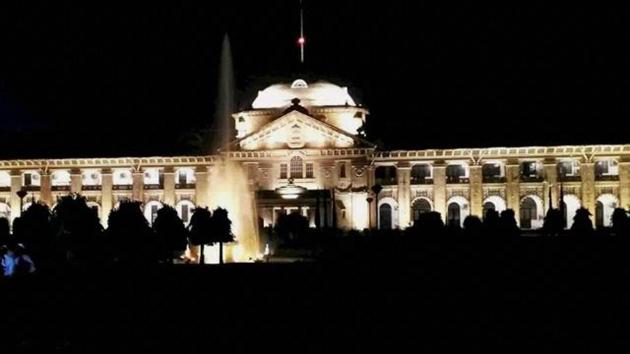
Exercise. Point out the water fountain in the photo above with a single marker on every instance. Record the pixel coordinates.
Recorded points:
(228, 183)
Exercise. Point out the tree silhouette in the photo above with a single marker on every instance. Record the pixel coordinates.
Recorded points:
(221, 230)
(4, 231)
(554, 222)
(620, 222)
(472, 226)
(507, 224)
(491, 223)
(200, 230)
(33, 229)
(77, 227)
(582, 224)
(129, 234)
(172, 235)
(428, 225)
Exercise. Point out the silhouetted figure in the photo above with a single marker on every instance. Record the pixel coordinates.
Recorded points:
(201, 230)
(131, 238)
(172, 235)
(77, 228)
(620, 222)
(473, 227)
(507, 224)
(582, 224)
(554, 222)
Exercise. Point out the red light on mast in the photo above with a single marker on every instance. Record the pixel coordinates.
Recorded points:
(301, 41)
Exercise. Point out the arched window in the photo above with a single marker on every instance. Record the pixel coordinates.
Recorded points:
(297, 167)
(454, 215)
(385, 216)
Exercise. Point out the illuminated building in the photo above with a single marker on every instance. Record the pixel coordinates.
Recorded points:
(308, 133)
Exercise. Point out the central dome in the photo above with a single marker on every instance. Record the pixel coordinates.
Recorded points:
(318, 94)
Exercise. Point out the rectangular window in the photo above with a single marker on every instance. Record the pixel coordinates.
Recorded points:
(27, 180)
(283, 171)
(309, 170)
(182, 177)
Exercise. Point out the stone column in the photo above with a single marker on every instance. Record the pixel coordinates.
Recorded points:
(138, 186)
(46, 188)
(169, 186)
(404, 194)
(202, 173)
(513, 189)
(107, 184)
(16, 185)
(624, 184)
(439, 188)
(476, 191)
(75, 181)
(551, 177)
(587, 174)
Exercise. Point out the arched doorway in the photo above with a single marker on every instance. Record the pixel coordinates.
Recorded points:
(606, 204)
(385, 216)
(531, 212)
(454, 215)
(457, 210)
(419, 207)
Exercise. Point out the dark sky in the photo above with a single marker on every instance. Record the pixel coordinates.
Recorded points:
(138, 80)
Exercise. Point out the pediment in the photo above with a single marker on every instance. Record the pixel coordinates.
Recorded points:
(296, 130)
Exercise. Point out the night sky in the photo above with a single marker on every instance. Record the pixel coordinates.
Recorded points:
(139, 80)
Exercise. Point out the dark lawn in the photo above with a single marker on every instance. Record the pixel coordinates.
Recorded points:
(433, 294)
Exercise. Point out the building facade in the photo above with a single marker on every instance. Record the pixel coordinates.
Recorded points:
(302, 150)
